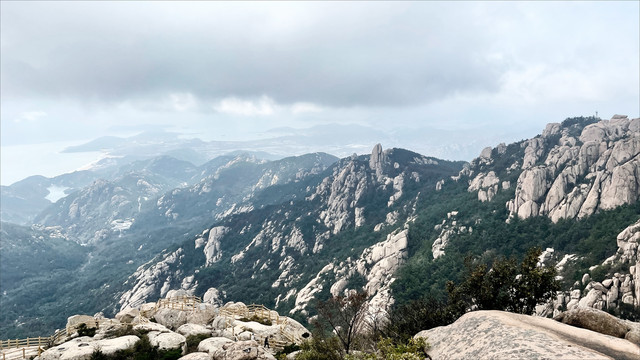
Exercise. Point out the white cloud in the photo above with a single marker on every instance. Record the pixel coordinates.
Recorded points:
(30, 116)
(264, 106)
(183, 101)
(305, 107)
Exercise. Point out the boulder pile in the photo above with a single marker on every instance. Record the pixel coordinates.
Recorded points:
(230, 332)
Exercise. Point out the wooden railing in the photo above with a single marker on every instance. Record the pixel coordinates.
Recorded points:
(186, 303)
(45, 342)
(28, 342)
(264, 313)
(21, 348)
(22, 353)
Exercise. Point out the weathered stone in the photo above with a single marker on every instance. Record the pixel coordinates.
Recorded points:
(578, 180)
(633, 336)
(598, 286)
(377, 160)
(595, 320)
(212, 250)
(612, 297)
(196, 356)
(203, 314)
(242, 350)
(168, 340)
(127, 315)
(171, 318)
(150, 326)
(293, 355)
(81, 348)
(75, 320)
(502, 335)
(590, 299)
(211, 345)
(193, 329)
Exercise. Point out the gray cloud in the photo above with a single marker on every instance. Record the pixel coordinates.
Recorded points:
(339, 55)
(78, 70)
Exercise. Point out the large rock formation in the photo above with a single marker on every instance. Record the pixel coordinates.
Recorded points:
(572, 170)
(502, 335)
(582, 173)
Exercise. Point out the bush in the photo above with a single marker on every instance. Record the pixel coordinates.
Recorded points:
(288, 349)
(321, 348)
(83, 330)
(194, 340)
(505, 286)
(257, 319)
(98, 355)
(414, 349)
(386, 349)
(409, 319)
(142, 350)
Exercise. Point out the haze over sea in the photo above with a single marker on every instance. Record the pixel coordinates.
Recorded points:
(19, 161)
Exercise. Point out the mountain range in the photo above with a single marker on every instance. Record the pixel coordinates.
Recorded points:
(287, 232)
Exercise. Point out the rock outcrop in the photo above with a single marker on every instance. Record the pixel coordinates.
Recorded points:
(620, 289)
(597, 169)
(81, 348)
(448, 228)
(376, 264)
(502, 335)
(242, 350)
(594, 320)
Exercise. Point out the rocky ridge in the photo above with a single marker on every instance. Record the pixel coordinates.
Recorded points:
(278, 245)
(572, 170)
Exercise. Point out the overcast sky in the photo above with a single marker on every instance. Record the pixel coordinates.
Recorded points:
(73, 71)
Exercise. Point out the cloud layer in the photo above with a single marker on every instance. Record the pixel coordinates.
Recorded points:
(89, 66)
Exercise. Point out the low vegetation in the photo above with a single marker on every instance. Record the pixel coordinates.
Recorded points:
(344, 327)
(142, 350)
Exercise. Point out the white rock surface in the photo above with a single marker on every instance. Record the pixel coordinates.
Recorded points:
(377, 264)
(503, 335)
(242, 350)
(168, 340)
(213, 296)
(171, 318)
(213, 344)
(193, 329)
(81, 348)
(598, 170)
(149, 278)
(212, 250)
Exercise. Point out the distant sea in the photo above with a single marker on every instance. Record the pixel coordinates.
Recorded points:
(20, 161)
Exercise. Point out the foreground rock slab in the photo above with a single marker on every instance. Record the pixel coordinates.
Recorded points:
(81, 348)
(503, 335)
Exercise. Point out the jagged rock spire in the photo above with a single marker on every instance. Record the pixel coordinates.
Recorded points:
(377, 159)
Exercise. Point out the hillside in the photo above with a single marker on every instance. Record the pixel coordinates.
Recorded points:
(408, 237)
(396, 223)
